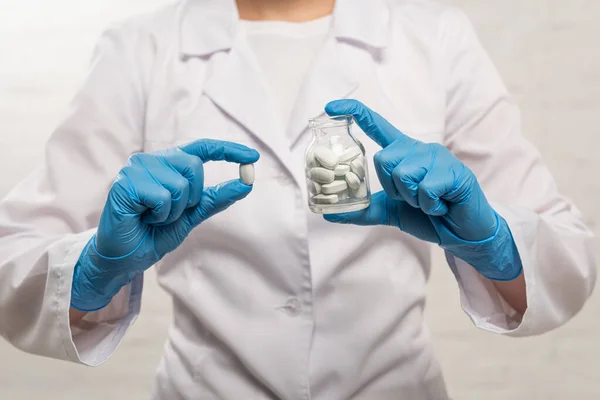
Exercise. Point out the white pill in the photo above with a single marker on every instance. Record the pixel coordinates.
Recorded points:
(321, 175)
(352, 180)
(325, 199)
(311, 162)
(349, 155)
(361, 192)
(333, 141)
(334, 187)
(247, 173)
(314, 187)
(325, 157)
(358, 167)
(337, 149)
(343, 195)
(341, 170)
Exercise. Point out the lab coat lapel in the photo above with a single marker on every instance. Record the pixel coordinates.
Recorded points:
(357, 25)
(238, 88)
(236, 85)
(328, 79)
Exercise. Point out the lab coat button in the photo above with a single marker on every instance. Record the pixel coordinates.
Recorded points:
(293, 307)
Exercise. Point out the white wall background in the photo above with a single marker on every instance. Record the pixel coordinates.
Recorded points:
(548, 53)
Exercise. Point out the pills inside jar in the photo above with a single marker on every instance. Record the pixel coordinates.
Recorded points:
(336, 170)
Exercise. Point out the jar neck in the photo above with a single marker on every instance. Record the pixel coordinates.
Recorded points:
(327, 127)
(323, 133)
(327, 123)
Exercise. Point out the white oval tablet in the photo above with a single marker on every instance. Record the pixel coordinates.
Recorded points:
(311, 162)
(337, 149)
(341, 170)
(358, 167)
(343, 195)
(314, 187)
(349, 155)
(247, 173)
(352, 180)
(321, 175)
(325, 199)
(325, 157)
(334, 187)
(361, 192)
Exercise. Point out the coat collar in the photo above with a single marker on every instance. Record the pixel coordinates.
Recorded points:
(208, 26)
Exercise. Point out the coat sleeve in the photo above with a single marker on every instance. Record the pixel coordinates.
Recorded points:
(47, 219)
(483, 129)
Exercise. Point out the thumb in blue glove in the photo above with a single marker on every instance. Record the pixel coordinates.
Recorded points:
(431, 195)
(154, 203)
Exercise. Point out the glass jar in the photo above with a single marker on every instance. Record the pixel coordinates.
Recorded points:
(336, 167)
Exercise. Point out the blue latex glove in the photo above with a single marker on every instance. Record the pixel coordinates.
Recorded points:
(156, 200)
(431, 195)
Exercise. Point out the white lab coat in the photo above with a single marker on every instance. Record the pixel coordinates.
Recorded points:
(271, 301)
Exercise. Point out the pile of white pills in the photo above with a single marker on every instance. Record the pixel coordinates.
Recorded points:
(336, 173)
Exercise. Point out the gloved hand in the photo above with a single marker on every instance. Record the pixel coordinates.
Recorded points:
(431, 195)
(156, 200)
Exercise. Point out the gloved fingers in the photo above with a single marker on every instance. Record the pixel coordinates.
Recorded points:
(216, 199)
(441, 179)
(385, 211)
(431, 189)
(386, 161)
(219, 150)
(142, 190)
(376, 214)
(408, 175)
(165, 175)
(448, 179)
(463, 183)
(192, 169)
(373, 124)
(123, 197)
